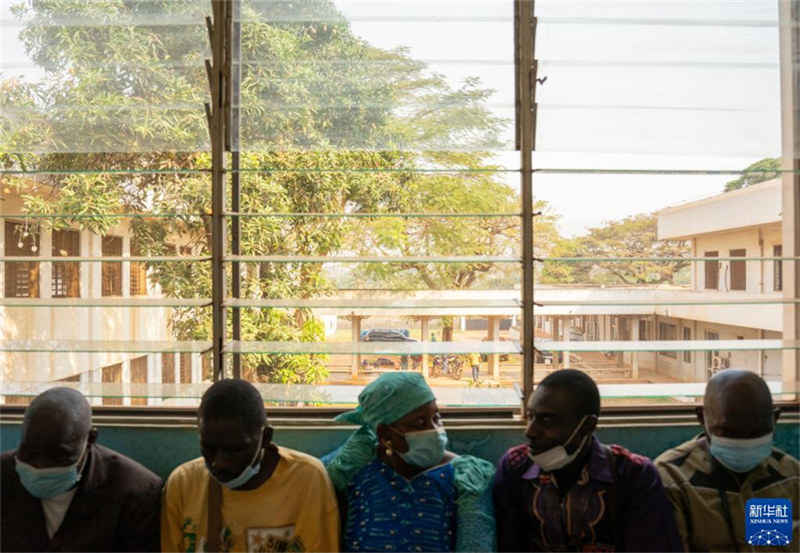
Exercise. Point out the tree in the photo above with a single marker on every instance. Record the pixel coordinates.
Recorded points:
(125, 100)
(497, 234)
(635, 237)
(760, 171)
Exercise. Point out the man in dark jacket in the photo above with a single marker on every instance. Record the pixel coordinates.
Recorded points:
(60, 491)
(565, 491)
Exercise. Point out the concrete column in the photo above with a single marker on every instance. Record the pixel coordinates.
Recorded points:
(196, 368)
(153, 377)
(789, 37)
(176, 369)
(95, 271)
(2, 266)
(355, 336)
(125, 387)
(698, 368)
(494, 336)
(565, 337)
(51, 369)
(635, 354)
(555, 333)
(656, 336)
(45, 268)
(622, 335)
(85, 269)
(126, 267)
(425, 329)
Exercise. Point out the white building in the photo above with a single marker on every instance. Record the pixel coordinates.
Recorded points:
(727, 300)
(741, 223)
(65, 306)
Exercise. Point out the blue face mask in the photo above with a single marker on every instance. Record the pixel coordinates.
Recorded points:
(740, 455)
(45, 483)
(425, 448)
(249, 471)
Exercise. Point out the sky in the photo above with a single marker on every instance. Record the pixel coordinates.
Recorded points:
(642, 84)
(630, 85)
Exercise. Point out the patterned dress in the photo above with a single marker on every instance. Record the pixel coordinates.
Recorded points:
(386, 512)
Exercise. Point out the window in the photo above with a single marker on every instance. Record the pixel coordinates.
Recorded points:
(138, 376)
(777, 269)
(207, 370)
(738, 270)
(168, 368)
(185, 368)
(668, 331)
(687, 335)
(66, 280)
(644, 330)
(112, 271)
(21, 278)
(112, 374)
(381, 186)
(138, 272)
(712, 271)
(712, 353)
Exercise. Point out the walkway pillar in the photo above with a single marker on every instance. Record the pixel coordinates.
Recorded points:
(355, 333)
(635, 354)
(494, 336)
(425, 324)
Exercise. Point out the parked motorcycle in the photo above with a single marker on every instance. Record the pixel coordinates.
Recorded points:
(451, 365)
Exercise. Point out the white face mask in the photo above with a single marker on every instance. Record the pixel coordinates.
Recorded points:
(248, 472)
(740, 455)
(557, 457)
(45, 483)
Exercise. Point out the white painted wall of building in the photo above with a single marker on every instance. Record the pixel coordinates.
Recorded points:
(757, 243)
(754, 206)
(75, 323)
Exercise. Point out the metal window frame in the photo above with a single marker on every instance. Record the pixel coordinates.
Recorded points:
(223, 128)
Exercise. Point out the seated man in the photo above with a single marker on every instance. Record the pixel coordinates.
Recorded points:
(271, 498)
(565, 491)
(710, 478)
(60, 491)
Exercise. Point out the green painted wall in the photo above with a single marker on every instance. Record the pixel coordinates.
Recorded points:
(163, 448)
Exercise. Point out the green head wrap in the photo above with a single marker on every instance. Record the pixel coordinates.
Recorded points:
(388, 398)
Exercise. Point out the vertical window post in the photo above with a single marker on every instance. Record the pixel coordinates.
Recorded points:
(525, 26)
(789, 15)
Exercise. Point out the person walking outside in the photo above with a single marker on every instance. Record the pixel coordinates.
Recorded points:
(475, 361)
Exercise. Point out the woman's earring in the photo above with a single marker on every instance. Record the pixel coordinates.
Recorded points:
(389, 448)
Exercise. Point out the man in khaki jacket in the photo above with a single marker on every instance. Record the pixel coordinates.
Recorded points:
(710, 478)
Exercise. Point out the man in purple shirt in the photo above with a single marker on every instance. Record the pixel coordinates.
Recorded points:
(565, 491)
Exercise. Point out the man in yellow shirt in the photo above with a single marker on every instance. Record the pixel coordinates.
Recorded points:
(270, 498)
(475, 362)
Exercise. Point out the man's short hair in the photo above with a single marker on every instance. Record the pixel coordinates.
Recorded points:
(65, 408)
(582, 390)
(234, 398)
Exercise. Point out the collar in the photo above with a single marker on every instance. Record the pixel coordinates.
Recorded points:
(94, 473)
(597, 464)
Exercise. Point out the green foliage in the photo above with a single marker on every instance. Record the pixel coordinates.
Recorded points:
(760, 171)
(451, 236)
(129, 95)
(564, 272)
(635, 236)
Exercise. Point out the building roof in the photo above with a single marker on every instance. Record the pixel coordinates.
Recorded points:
(753, 206)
